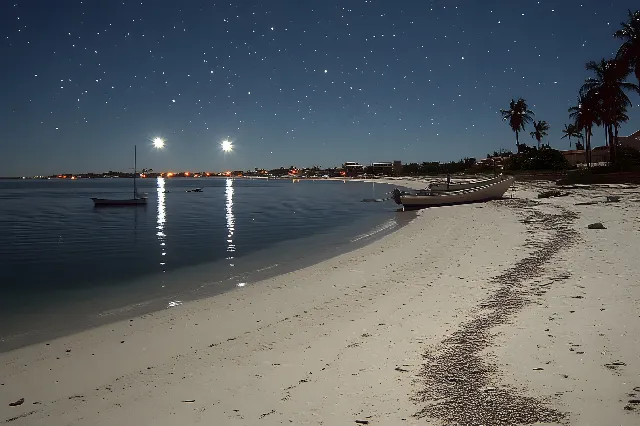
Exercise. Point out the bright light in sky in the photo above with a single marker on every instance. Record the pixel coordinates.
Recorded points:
(158, 143)
(227, 146)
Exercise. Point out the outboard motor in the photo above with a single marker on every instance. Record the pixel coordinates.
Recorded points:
(395, 194)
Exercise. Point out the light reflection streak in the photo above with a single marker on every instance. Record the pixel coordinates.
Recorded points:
(161, 220)
(231, 221)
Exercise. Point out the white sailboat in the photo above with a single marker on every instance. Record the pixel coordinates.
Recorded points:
(137, 200)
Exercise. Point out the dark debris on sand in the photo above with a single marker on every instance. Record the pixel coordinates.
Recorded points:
(458, 384)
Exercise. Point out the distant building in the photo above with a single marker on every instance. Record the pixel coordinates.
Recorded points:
(352, 168)
(492, 162)
(397, 168)
(600, 154)
(633, 140)
(384, 168)
(576, 157)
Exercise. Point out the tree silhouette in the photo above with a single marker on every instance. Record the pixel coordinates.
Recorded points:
(571, 131)
(585, 114)
(518, 115)
(540, 129)
(607, 88)
(629, 51)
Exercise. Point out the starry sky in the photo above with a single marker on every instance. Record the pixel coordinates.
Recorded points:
(290, 82)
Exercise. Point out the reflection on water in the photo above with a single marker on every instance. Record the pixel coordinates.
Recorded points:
(231, 221)
(49, 228)
(161, 219)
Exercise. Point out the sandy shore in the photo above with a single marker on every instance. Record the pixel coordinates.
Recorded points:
(500, 313)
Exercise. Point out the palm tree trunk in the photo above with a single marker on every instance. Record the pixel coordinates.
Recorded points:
(615, 140)
(517, 142)
(612, 145)
(588, 142)
(591, 147)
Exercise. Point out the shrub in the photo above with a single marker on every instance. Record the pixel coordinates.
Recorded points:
(627, 158)
(545, 158)
(550, 193)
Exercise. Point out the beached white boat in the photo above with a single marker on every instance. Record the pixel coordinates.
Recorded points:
(426, 198)
(448, 186)
(137, 200)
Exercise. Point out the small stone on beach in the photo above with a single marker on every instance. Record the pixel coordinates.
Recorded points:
(596, 225)
(18, 402)
(551, 193)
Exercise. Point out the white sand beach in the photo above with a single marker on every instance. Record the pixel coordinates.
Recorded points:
(499, 313)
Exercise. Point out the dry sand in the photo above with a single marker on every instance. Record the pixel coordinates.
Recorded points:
(497, 314)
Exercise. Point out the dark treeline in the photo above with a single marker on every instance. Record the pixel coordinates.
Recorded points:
(436, 168)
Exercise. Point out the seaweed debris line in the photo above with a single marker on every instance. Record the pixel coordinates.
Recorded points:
(459, 386)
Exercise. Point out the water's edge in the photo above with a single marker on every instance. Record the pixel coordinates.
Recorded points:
(94, 318)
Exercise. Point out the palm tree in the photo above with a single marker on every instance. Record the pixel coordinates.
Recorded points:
(518, 115)
(540, 129)
(608, 89)
(629, 52)
(619, 116)
(585, 114)
(571, 131)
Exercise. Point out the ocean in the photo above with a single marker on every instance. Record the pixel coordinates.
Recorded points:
(66, 265)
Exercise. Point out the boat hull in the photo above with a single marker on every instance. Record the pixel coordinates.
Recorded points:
(409, 205)
(465, 185)
(493, 191)
(105, 202)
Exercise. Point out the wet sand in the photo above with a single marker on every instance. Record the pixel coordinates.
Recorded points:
(499, 313)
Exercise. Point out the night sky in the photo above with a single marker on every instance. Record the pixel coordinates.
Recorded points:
(290, 82)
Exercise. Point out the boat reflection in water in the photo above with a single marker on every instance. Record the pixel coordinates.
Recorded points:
(231, 222)
(161, 220)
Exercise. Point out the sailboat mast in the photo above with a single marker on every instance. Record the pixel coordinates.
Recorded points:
(135, 164)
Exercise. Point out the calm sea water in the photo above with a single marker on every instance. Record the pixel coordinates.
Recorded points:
(66, 265)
